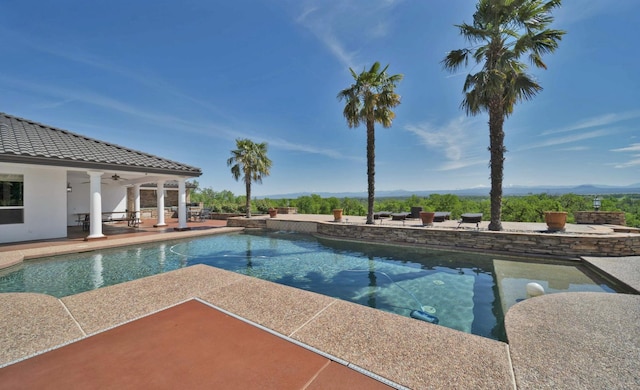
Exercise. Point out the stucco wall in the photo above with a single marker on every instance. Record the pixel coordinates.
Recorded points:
(45, 204)
(114, 197)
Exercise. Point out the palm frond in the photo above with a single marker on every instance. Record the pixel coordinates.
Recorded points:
(455, 59)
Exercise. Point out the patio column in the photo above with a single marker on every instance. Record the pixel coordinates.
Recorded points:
(160, 197)
(136, 200)
(95, 206)
(182, 205)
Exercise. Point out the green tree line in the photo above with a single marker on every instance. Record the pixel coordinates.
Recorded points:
(528, 208)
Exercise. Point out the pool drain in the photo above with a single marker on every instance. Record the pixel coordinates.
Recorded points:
(429, 309)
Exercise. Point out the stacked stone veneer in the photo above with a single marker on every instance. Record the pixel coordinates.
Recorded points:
(601, 217)
(292, 226)
(517, 243)
(274, 224)
(563, 245)
(148, 198)
(250, 223)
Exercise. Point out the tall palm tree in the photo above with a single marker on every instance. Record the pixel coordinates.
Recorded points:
(250, 162)
(505, 31)
(370, 99)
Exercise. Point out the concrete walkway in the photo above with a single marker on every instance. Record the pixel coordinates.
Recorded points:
(558, 341)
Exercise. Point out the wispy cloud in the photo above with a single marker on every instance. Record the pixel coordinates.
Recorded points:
(331, 153)
(318, 20)
(155, 84)
(569, 139)
(574, 149)
(62, 95)
(629, 164)
(635, 157)
(577, 11)
(88, 97)
(596, 121)
(457, 140)
(158, 85)
(630, 148)
(55, 104)
(337, 24)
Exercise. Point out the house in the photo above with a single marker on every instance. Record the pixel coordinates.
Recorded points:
(52, 178)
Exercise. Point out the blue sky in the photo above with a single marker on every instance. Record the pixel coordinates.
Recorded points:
(184, 79)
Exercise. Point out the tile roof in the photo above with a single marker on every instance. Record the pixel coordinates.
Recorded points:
(28, 142)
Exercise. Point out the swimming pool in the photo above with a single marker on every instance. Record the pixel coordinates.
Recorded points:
(465, 291)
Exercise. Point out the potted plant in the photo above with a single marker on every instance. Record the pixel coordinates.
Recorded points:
(337, 215)
(427, 217)
(273, 212)
(555, 220)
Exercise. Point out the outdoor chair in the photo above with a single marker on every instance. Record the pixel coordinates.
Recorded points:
(470, 218)
(441, 216)
(204, 215)
(133, 220)
(399, 216)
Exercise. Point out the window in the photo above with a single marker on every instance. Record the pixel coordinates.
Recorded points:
(11, 199)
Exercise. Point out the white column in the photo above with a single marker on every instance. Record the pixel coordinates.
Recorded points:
(160, 197)
(182, 204)
(95, 205)
(136, 200)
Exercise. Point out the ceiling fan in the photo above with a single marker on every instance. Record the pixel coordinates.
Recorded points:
(114, 177)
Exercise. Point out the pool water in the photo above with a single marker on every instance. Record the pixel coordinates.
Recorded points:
(465, 291)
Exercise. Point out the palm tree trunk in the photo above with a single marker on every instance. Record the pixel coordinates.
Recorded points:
(248, 204)
(496, 149)
(371, 170)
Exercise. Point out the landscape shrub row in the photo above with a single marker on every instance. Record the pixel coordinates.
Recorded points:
(528, 208)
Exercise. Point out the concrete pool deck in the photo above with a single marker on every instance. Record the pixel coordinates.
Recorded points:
(567, 340)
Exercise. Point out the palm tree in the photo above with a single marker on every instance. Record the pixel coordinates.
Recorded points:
(250, 162)
(506, 30)
(370, 100)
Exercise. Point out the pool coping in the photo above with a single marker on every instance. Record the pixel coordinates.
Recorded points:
(405, 351)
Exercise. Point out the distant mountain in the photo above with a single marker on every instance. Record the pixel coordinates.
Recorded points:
(585, 189)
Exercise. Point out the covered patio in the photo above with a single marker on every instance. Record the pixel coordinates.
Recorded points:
(53, 178)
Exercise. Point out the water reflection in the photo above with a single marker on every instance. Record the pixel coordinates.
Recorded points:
(96, 274)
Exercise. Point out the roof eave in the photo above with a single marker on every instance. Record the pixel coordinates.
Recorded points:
(35, 160)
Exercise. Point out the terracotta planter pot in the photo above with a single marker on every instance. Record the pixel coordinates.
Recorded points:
(337, 215)
(555, 220)
(273, 213)
(427, 218)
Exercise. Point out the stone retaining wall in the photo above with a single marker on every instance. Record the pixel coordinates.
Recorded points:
(517, 243)
(250, 223)
(601, 217)
(223, 216)
(560, 245)
(292, 226)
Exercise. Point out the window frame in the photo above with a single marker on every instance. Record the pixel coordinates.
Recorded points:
(11, 214)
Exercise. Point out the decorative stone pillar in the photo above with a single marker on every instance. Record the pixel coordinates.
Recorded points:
(160, 197)
(95, 206)
(601, 217)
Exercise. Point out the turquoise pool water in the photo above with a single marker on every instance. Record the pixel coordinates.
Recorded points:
(466, 291)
